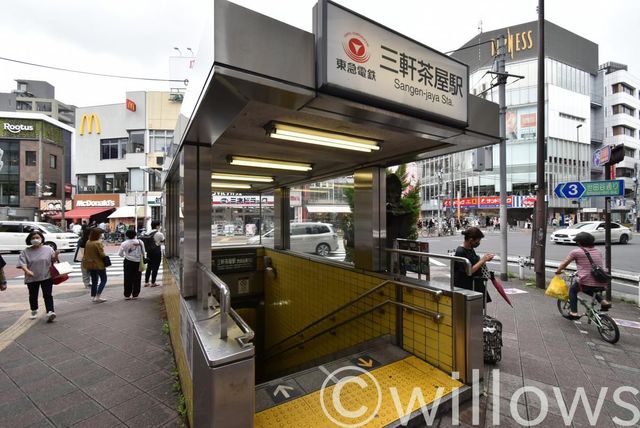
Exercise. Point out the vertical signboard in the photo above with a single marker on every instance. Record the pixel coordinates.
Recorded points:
(362, 60)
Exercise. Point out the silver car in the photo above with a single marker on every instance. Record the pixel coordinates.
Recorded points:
(619, 233)
(318, 238)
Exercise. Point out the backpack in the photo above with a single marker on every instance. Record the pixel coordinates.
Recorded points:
(597, 271)
(149, 242)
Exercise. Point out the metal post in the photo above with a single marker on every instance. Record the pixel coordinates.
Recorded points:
(63, 197)
(135, 211)
(451, 191)
(607, 230)
(579, 167)
(540, 234)
(502, 81)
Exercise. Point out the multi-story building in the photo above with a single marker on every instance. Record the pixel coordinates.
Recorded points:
(37, 96)
(120, 149)
(571, 66)
(619, 123)
(31, 158)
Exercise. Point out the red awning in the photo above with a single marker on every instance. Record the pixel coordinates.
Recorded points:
(83, 212)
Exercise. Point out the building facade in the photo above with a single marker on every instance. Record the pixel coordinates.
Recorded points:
(571, 67)
(619, 123)
(120, 149)
(32, 169)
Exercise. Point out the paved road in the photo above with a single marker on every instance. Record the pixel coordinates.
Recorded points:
(623, 257)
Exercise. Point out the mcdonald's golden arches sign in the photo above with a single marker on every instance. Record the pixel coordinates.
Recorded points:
(91, 122)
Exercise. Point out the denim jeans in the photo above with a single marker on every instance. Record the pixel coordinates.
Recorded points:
(573, 295)
(95, 274)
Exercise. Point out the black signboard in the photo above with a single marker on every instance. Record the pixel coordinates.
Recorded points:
(414, 263)
(233, 263)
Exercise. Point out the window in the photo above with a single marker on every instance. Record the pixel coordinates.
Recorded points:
(43, 106)
(623, 130)
(160, 140)
(11, 228)
(23, 105)
(30, 158)
(628, 151)
(53, 161)
(136, 142)
(113, 148)
(30, 188)
(623, 109)
(621, 87)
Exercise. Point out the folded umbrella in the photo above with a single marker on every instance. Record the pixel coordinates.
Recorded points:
(500, 289)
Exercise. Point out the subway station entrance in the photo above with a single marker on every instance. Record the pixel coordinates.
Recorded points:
(268, 334)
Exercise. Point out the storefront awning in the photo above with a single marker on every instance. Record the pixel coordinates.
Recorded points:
(128, 212)
(83, 212)
(328, 208)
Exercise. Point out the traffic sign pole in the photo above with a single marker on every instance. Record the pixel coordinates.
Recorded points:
(607, 231)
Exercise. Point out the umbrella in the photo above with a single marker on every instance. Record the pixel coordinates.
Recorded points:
(500, 289)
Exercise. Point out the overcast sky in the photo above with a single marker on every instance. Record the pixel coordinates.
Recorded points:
(136, 37)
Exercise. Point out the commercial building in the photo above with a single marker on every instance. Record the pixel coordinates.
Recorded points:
(571, 67)
(32, 161)
(40, 97)
(120, 150)
(618, 122)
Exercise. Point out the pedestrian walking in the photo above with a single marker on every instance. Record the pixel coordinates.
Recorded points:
(79, 256)
(132, 249)
(93, 262)
(3, 278)
(36, 261)
(153, 246)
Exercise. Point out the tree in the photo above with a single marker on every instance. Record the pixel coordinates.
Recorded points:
(410, 198)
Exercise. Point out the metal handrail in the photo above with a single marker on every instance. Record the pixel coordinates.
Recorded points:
(466, 262)
(437, 317)
(436, 293)
(247, 337)
(225, 297)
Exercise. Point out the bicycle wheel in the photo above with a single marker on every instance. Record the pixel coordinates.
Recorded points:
(564, 308)
(609, 330)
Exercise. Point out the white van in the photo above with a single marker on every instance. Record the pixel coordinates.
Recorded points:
(318, 238)
(14, 233)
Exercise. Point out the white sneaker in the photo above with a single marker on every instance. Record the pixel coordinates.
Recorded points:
(93, 299)
(51, 316)
(34, 315)
(100, 300)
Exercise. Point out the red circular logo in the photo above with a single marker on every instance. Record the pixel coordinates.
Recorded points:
(356, 47)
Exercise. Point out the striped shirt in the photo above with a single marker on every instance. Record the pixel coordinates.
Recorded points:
(584, 266)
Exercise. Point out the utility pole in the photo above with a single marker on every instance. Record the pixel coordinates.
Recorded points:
(540, 234)
(607, 229)
(502, 81)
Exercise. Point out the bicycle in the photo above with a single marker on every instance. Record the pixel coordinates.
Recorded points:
(607, 327)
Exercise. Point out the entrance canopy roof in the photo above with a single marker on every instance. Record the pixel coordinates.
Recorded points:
(82, 212)
(254, 72)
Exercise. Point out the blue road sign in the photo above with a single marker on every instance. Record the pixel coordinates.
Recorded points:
(558, 190)
(573, 190)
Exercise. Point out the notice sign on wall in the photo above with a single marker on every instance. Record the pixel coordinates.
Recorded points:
(361, 59)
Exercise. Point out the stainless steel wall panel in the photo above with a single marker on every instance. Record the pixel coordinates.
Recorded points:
(281, 208)
(369, 218)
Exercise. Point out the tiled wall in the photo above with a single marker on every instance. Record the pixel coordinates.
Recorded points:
(171, 294)
(305, 290)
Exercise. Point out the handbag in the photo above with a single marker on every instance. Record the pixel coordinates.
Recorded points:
(79, 255)
(143, 262)
(2, 262)
(60, 272)
(107, 261)
(597, 272)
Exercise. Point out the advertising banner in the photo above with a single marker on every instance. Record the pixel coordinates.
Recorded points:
(521, 123)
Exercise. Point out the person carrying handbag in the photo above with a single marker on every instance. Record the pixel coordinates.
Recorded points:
(93, 262)
(36, 261)
(132, 249)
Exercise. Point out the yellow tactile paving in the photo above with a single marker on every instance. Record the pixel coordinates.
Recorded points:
(401, 376)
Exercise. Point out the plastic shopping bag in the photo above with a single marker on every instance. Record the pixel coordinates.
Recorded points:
(557, 288)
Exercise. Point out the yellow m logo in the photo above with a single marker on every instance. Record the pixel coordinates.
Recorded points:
(89, 120)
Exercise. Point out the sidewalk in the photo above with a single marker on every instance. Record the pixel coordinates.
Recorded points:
(97, 365)
(544, 350)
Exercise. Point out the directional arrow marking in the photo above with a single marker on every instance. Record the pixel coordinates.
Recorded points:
(283, 390)
(365, 363)
(558, 190)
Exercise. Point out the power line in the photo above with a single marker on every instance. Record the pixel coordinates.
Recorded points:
(469, 47)
(113, 76)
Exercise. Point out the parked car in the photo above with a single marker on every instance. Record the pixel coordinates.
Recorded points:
(318, 238)
(619, 233)
(14, 233)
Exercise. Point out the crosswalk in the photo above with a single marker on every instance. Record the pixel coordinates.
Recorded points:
(116, 268)
(340, 255)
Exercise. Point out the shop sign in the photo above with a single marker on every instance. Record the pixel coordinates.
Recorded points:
(234, 263)
(103, 203)
(131, 106)
(361, 58)
(19, 128)
(516, 42)
(242, 200)
(55, 204)
(491, 202)
(16, 129)
(91, 122)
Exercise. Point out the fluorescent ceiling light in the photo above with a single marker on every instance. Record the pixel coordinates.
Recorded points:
(269, 163)
(322, 138)
(215, 184)
(239, 177)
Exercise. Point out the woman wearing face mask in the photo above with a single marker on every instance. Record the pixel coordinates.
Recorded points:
(472, 238)
(36, 262)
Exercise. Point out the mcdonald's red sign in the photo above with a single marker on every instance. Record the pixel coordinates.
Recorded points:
(131, 105)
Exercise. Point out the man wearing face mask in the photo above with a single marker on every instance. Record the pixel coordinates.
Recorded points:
(472, 238)
(36, 261)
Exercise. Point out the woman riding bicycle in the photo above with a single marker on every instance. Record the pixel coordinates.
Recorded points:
(586, 282)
